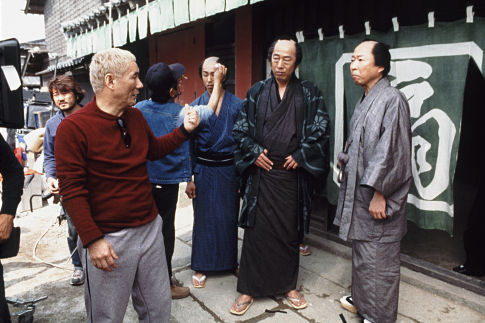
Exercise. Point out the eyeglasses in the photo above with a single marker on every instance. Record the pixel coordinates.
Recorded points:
(124, 132)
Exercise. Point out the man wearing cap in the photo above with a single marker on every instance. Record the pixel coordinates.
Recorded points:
(163, 115)
(101, 157)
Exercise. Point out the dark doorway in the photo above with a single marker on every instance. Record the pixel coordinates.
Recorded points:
(219, 41)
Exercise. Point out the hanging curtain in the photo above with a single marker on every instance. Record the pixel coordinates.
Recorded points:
(233, 4)
(181, 12)
(155, 17)
(197, 9)
(166, 7)
(132, 25)
(213, 7)
(142, 22)
(120, 31)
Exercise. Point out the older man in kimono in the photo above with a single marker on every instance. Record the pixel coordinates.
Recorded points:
(215, 187)
(281, 148)
(375, 174)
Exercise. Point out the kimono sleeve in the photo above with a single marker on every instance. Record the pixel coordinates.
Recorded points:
(204, 111)
(247, 149)
(389, 166)
(313, 152)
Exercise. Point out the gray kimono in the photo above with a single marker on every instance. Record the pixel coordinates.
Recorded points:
(379, 158)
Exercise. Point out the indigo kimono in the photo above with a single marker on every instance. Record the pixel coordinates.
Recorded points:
(216, 206)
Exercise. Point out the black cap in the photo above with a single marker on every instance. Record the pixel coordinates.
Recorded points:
(159, 78)
(177, 70)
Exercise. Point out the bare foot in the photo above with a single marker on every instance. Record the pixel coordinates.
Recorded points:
(296, 299)
(198, 280)
(241, 304)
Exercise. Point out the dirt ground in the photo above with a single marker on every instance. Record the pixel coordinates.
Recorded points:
(27, 278)
(48, 273)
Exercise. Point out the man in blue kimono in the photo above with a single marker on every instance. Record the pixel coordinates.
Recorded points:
(215, 187)
(281, 148)
(375, 178)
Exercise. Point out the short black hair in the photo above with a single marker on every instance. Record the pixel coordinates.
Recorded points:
(218, 60)
(299, 53)
(382, 56)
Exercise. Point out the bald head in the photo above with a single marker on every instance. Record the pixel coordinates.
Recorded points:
(206, 71)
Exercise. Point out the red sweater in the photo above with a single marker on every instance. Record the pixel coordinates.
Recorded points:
(104, 185)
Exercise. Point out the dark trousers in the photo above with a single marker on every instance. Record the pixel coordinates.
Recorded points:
(473, 236)
(72, 241)
(166, 197)
(4, 313)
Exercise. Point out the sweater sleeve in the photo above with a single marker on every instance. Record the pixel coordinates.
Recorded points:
(13, 179)
(71, 166)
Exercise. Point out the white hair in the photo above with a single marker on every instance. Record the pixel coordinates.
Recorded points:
(113, 60)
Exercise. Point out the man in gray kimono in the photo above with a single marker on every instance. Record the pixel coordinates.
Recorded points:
(375, 175)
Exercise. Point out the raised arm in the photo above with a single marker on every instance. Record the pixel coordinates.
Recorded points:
(217, 91)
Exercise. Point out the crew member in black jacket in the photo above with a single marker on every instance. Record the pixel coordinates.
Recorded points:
(12, 184)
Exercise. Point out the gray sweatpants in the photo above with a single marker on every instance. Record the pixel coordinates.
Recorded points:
(375, 279)
(141, 271)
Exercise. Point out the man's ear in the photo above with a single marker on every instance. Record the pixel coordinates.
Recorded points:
(380, 69)
(173, 93)
(109, 80)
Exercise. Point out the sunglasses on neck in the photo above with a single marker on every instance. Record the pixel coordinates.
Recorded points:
(124, 132)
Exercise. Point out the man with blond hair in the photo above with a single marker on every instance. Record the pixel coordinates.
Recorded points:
(101, 157)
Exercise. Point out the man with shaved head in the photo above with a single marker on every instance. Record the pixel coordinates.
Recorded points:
(281, 149)
(214, 189)
(375, 175)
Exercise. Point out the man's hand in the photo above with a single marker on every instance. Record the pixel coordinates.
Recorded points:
(263, 161)
(377, 207)
(191, 119)
(102, 255)
(6, 224)
(290, 163)
(190, 190)
(220, 72)
(53, 185)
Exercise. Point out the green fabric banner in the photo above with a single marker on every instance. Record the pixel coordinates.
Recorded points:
(429, 65)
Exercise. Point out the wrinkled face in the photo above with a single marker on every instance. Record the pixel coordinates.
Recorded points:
(363, 70)
(126, 88)
(65, 101)
(208, 70)
(283, 60)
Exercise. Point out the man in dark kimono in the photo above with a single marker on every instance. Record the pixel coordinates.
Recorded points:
(375, 174)
(281, 148)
